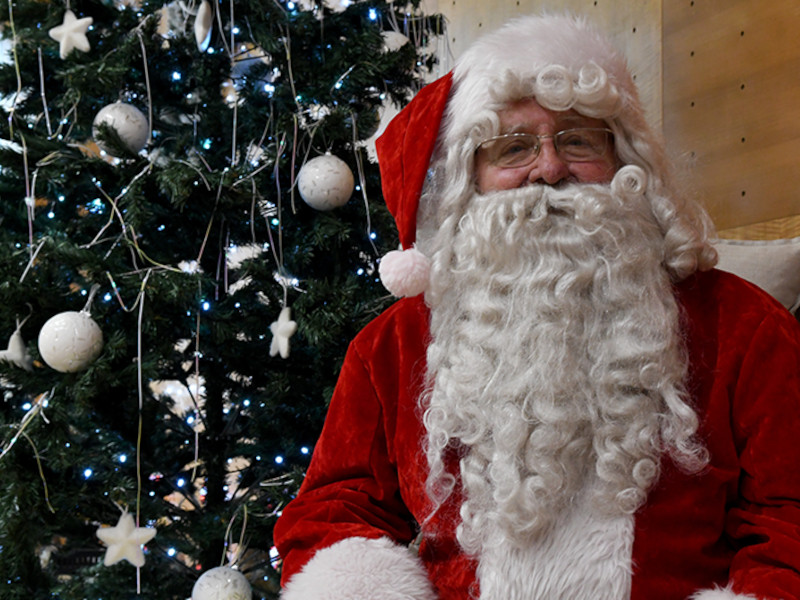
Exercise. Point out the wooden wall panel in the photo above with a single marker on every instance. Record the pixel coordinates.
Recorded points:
(636, 30)
(732, 104)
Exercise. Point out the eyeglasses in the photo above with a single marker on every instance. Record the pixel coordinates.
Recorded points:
(521, 149)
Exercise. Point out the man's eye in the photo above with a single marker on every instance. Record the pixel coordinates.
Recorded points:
(515, 147)
(575, 141)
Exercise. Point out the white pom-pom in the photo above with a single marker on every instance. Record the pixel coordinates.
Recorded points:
(405, 273)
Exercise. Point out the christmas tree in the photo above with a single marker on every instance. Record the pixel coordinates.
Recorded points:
(190, 231)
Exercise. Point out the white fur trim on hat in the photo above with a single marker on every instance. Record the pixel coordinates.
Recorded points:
(720, 594)
(405, 273)
(361, 569)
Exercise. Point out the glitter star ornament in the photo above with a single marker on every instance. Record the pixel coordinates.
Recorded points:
(71, 34)
(282, 330)
(125, 541)
(222, 583)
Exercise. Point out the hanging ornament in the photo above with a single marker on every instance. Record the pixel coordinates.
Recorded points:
(393, 40)
(71, 34)
(17, 352)
(222, 583)
(125, 541)
(282, 330)
(70, 341)
(202, 25)
(127, 121)
(325, 182)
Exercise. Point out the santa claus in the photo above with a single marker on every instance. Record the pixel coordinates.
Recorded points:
(571, 403)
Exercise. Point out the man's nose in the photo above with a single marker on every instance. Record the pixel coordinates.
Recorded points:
(548, 168)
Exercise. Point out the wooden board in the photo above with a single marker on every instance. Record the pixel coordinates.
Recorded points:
(732, 104)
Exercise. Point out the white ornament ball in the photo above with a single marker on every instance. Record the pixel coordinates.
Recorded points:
(70, 341)
(325, 182)
(222, 583)
(127, 121)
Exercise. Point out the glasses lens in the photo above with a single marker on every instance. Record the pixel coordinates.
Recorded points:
(510, 150)
(577, 145)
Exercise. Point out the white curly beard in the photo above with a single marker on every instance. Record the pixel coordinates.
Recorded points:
(556, 362)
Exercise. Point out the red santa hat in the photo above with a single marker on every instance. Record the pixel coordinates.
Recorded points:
(404, 152)
(560, 60)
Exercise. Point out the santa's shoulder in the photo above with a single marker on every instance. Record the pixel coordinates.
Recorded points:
(726, 301)
(408, 317)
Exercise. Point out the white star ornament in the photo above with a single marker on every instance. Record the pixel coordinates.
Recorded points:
(71, 34)
(282, 330)
(125, 541)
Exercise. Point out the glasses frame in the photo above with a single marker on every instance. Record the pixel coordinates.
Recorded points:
(538, 147)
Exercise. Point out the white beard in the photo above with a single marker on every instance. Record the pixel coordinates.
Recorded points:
(556, 363)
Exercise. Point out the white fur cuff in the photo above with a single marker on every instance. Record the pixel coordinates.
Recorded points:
(361, 569)
(720, 594)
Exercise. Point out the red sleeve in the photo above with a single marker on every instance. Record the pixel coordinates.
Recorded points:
(351, 488)
(766, 426)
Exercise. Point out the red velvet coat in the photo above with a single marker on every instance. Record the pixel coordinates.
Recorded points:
(737, 524)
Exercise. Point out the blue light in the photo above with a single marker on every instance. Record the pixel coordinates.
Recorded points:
(279, 460)
(304, 450)
(161, 227)
(123, 458)
(51, 214)
(176, 76)
(373, 14)
(373, 235)
(107, 297)
(290, 5)
(206, 144)
(246, 403)
(181, 482)
(171, 552)
(26, 406)
(360, 272)
(87, 473)
(206, 305)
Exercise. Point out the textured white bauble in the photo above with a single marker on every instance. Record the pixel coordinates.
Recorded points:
(325, 182)
(222, 583)
(129, 123)
(70, 341)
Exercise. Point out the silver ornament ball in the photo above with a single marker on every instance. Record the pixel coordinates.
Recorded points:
(325, 182)
(222, 583)
(127, 121)
(70, 341)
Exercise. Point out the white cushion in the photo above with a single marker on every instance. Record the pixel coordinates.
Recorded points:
(773, 265)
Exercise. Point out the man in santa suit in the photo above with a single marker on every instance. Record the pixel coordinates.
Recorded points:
(571, 402)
